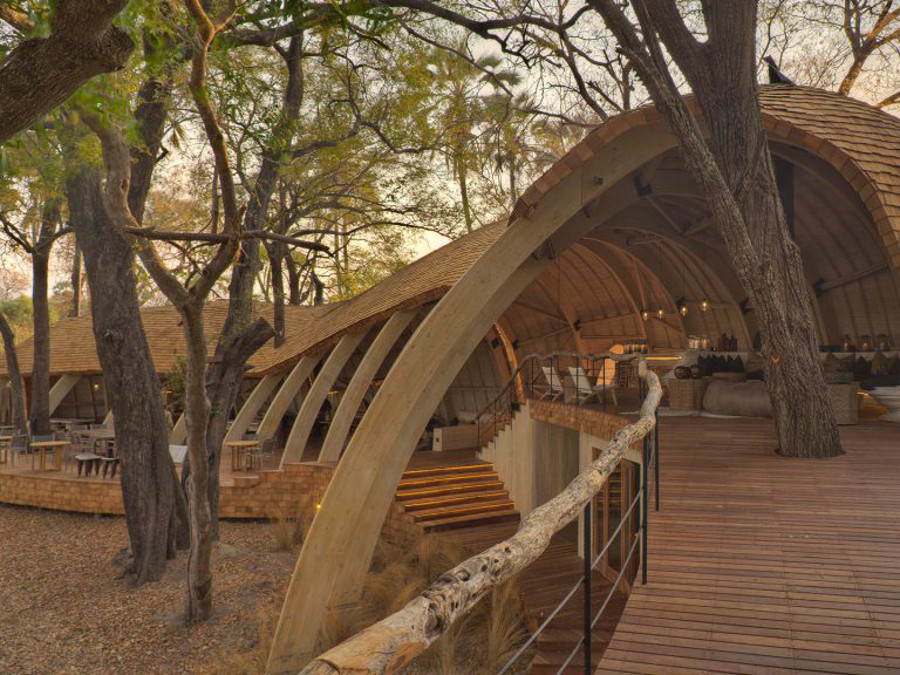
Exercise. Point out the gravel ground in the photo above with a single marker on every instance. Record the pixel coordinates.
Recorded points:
(65, 608)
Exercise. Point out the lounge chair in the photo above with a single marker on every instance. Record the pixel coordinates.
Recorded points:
(556, 390)
(585, 391)
(259, 453)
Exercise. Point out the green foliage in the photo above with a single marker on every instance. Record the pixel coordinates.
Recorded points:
(18, 312)
(174, 384)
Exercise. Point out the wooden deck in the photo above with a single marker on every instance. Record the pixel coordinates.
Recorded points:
(760, 564)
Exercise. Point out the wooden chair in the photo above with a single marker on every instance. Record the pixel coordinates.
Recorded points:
(86, 457)
(18, 446)
(76, 443)
(109, 459)
(260, 452)
(556, 390)
(585, 391)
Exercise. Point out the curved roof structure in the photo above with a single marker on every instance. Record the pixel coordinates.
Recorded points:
(856, 143)
(860, 143)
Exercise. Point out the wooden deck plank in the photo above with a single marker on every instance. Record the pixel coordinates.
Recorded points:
(761, 564)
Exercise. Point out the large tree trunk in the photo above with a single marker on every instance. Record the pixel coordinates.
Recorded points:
(772, 273)
(16, 385)
(734, 168)
(196, 409)
(276, 263)
(241, 337)
(767, 259)
(41, 73)
(40, 299)
(228, 372)
(148, 474)
(295, 296)
(76, 280)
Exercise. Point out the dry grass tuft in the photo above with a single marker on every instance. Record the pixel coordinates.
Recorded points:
(289, 533)
(480, 643)
(253, 661)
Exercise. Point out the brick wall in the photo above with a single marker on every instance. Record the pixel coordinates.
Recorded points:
(61, 494)
(269, 495)
(594, 422)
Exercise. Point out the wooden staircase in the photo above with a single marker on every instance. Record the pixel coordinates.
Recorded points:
(448, 497)
(559, 638)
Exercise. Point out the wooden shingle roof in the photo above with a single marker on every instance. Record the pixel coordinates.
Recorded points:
(860, 141)
(73, 350)
(423, 281)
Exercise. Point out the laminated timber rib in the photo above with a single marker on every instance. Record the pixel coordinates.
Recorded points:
(586, 189)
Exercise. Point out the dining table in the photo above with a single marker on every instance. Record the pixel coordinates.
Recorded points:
(241, 459)
(43, 447)
(66, 423)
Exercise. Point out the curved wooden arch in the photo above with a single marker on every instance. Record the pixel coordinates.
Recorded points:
(554, 213)
(333, 561)
(627, 281)
(360, 383)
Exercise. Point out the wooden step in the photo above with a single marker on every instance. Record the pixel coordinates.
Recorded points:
(462, 510)
(433, 492)
(550, 661)
(412, 474)
(448, 500)
(437, 481)
(471, 520)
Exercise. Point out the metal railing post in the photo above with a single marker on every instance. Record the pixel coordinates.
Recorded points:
(603, 376)
(645, 507)
(656, 457)
(588, 614)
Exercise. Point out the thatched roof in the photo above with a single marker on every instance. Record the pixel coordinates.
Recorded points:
(73, 350)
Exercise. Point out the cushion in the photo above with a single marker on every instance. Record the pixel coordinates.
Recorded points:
(731, 377)
(838, 378)
(744, 399)
(831, 364)
(879, 364)
(874, 381)
(893, 365)
(861, 369)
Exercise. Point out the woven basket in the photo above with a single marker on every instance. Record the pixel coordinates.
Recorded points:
(687, 394)
(844, 402)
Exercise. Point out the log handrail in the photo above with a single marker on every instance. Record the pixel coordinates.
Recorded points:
(393, 642)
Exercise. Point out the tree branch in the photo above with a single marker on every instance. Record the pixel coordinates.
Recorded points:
(215, 238)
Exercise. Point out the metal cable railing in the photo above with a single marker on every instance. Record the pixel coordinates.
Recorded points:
(591, 619)
(544, 377)
(392, 642)
(568, 596)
